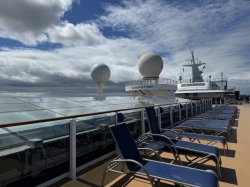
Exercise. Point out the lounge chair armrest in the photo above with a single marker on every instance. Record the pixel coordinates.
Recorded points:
(175, 131)
(126, 160)
(160, 158)
(164, 136)
(197, 127)
(184, 128)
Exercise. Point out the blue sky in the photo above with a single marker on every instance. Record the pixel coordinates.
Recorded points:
(50, 46)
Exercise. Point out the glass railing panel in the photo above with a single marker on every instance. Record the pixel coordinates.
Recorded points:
(183, 112)
(93, 138)
(8, 140)
(135, 129)
(34, 153)
(165, 117)
(175, 109)
(131, 115)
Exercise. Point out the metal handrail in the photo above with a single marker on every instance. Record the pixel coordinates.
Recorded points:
(152, 81)
(76, 116)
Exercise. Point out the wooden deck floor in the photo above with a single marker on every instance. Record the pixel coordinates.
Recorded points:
(235, 165)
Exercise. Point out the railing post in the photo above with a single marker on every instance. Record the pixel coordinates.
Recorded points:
(142, 121)
(171, 115)
(72, 149)
(159, 117)
(211, 103)
(179, 112)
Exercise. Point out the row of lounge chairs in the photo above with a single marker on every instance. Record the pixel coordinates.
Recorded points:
(170, 140)
(217, 120)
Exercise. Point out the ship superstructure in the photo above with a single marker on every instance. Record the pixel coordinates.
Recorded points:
(197, 88)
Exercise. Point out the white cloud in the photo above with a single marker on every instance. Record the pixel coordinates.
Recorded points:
(75, 35)
(27, 20)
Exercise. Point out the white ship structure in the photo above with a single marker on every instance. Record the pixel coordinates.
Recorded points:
(197, 88)
(150, 66)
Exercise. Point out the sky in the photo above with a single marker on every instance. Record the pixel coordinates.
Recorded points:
(49, 47)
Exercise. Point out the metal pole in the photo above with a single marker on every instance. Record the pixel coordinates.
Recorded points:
(171, 115)
(72, 149)
(159, 117)
(142, 121)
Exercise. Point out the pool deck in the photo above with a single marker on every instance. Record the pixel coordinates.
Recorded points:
(235, 165)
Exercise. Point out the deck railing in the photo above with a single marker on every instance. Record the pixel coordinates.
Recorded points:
(73, 123)
(152, 81)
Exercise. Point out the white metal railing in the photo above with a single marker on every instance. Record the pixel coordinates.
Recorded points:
(152, 81)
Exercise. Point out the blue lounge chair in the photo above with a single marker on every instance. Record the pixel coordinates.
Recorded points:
(179, 133)
(215, 129)
(218, 127)
(199, 151)
(154, 169)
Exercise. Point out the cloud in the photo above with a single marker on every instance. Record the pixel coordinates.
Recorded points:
(75, 35)
(28, 20)
(217, 30)
(172, 27)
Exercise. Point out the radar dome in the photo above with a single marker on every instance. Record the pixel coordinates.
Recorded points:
(100, 73)
(150, 65)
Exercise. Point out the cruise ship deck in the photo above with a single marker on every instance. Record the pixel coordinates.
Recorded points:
(235, 165)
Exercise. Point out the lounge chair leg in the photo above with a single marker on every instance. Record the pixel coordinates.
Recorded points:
(123, 167)
(103, 178)
(218, 168)
(224, 150)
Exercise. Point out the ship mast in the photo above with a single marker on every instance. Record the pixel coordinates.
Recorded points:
(196, 73)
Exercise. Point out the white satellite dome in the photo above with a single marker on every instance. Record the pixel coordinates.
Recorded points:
(100, 73)
(150, 65)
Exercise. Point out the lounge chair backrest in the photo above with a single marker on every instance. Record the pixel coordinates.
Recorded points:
(126, 144)
(153, 122)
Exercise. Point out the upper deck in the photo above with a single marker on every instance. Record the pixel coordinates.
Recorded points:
(235, 165)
